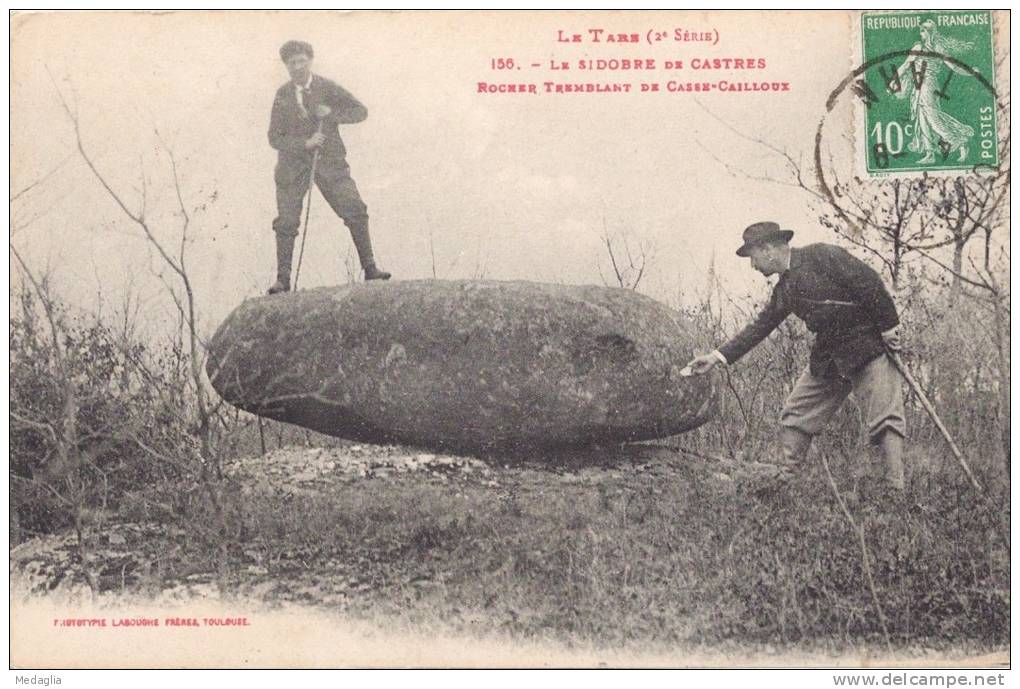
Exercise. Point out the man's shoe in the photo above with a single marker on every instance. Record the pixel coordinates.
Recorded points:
(373, 273)
(881, 494)
(774, 483)
(279, 286)
(363, 243)
(895, 500)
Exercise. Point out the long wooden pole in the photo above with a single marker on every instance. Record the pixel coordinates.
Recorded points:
(928, 407)
(308, 208)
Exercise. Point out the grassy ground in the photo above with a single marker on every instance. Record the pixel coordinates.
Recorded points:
(629, 548)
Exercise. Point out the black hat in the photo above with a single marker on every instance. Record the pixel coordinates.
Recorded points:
(762, 232)
(292, 48)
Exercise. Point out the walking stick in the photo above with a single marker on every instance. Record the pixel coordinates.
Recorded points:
(928, 407)
(308, 208)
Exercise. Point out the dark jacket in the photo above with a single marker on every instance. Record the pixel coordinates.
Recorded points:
(840, 299)
(290, 126)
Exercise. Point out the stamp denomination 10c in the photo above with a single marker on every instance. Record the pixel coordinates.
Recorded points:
(928, 92)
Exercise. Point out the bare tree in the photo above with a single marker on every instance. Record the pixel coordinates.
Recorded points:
(201, 405)
(628, 264)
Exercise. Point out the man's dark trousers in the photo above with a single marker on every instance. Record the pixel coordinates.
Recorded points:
(334, 181)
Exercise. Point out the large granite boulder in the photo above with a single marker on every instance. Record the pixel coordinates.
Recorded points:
(475, 366)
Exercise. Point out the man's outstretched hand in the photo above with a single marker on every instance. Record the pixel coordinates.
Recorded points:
(892, 339)
(702, 364)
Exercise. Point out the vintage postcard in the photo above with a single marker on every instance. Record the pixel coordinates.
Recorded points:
(510, 339)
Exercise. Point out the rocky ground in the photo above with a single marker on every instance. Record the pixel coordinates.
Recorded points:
(639, 546)
(128, 556)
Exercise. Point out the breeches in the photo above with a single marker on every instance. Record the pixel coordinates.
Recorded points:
(337, 187)
(876, 387)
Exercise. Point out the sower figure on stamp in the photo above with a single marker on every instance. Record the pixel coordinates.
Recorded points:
(305, 116)
(846, 305)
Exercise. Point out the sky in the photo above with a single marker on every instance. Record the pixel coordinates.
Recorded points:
(458, 183)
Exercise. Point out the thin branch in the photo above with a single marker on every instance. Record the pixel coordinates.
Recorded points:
(38, 425)
(47, 306)
(795, 168)
(865, 558)
(35, 183)
(137, 218)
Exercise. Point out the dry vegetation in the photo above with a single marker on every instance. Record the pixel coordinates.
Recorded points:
(674, 544)
(120, 454)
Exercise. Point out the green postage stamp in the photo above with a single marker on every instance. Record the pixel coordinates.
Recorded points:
(928, 91)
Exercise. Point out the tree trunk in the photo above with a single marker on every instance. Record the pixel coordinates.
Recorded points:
(1001, 317)
(956, 285)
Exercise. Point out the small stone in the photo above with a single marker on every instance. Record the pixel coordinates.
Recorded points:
(205, 591)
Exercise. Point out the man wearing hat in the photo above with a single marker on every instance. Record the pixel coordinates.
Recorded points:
(304, 120)
(844, 303)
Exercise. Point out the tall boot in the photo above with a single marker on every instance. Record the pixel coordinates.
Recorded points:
(891, 443)
(284, 256)
(795, 444)
(363, 243)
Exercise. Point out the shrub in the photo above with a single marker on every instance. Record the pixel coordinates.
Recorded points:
(84, 400)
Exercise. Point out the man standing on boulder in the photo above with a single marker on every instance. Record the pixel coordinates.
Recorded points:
(844, 303)
(304, 120)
